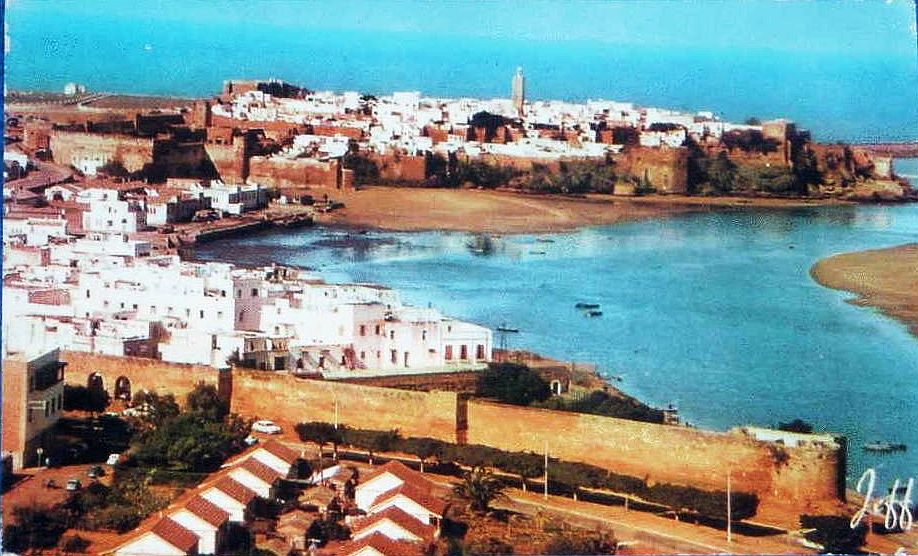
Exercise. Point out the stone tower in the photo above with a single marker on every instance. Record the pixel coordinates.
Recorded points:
(518, 91)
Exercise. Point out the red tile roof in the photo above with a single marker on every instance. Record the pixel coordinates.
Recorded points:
(383, 544)
(175, 534)
(235, 490)
(260, 470)
(423, 497)
(403, 472)
(400, 518)
(281, 451)
(207, 510)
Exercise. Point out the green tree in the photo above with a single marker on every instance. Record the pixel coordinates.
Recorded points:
(81, 398)
(206, 402)
(322, 434)
(479, 488)
(155, 409)
(512, 383)
(753, 121)
(365, 170)
(721, 173)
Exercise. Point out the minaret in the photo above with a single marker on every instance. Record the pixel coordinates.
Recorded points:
(518, 91)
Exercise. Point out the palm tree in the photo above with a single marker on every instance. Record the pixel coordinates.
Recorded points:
(479, 487)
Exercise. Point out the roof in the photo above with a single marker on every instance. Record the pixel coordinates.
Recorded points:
(260, 470)
(417, 494)
(175, 534)
(235, 490)
(207, 510)
(397, 516)
(401, 471)
(383, 544)
(276, 448)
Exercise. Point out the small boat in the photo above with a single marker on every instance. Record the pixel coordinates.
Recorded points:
(537, 252)
(545, 240)
(507, 329)
(594, 313)
(884, 447)
(586, 306)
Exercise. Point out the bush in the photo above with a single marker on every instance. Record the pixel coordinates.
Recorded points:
(834, 533)
(603, 403)
(797, 425)
(599, 542)
(75, 544)
(512, 383)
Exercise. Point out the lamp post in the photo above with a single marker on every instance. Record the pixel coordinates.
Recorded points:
(39, 451)
(729, 512)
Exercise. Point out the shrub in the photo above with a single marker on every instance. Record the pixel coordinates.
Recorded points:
(512, 383)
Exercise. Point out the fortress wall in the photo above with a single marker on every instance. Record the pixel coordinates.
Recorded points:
(284, 173)
(807, 477)
(788, 480)
(133, 152)
(145, 374)
(431, 414)
(665, 169)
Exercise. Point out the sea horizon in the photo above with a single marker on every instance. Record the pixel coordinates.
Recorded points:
(860, 96)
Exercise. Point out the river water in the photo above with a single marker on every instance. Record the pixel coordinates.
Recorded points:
(715, 312)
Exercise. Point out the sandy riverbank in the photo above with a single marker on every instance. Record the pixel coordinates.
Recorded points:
(507, 212)
(883, 278)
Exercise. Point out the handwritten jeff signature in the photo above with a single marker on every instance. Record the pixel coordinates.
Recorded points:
(896, 510)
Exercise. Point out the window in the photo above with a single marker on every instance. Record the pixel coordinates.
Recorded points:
(201, 312)
(135, 306)
(222, 293)
(377, 330)
(393, 356)
(238, 293)
(463, 352)
(363, 330)
(152, 309)
(363, 355)
(240, 314)
(479, 352)
(254, 292)
(423, 335)
(448, 353)
(187, 313)
(392, 334)
(378, 354)
(122, 304)
(219, 314)
(87, 294)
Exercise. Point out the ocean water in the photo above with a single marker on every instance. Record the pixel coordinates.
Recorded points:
(857, 96)
(715, 312)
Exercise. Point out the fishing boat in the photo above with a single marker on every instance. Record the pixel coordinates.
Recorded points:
(507, 329)
(884, 447)
(589, 306)
(594, 313)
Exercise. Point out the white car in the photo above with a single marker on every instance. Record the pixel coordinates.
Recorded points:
(266, 427)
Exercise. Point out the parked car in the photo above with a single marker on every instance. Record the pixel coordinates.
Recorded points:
(95, 471)
(113, 459)
(250, 440)
(266, 427)
(74, 484)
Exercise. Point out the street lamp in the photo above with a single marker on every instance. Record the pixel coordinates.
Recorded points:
(39, 451)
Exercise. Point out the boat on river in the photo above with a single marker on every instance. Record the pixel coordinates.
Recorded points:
(587, 306)
(884, 447)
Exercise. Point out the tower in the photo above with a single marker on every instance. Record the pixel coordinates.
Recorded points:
(518, 91)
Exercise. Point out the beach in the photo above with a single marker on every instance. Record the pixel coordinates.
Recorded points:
(508, 212)
(883, 278)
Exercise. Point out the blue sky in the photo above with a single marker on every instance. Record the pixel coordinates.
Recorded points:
(826, 26)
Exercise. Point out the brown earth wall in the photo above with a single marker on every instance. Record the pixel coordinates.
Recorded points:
(282, 173)
(229, 161)
(665, 169)
(788, 480)
(431, 414)
(809, 477)
(401, 167)
(145, 374)
(133, 152)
